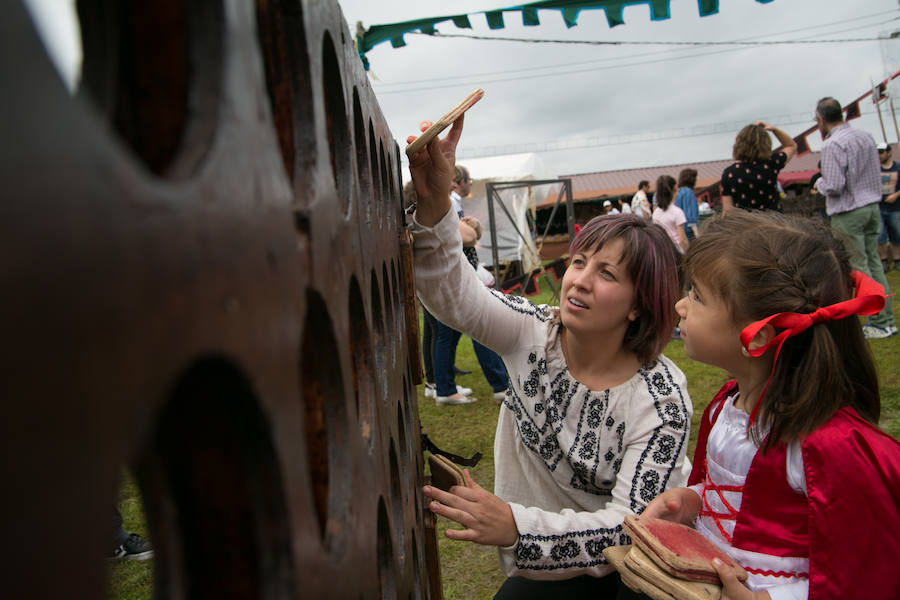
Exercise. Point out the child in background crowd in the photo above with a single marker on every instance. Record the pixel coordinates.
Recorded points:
(791, 476)
(667, 215)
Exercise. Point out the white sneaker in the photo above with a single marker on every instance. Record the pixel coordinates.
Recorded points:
(463, 390)
(873, 332)
(430, 391)
(454, 399)
(499, 396)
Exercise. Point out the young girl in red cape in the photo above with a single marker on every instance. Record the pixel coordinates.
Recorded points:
(791, 477)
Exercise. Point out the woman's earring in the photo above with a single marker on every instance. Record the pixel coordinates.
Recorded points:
(744, 351)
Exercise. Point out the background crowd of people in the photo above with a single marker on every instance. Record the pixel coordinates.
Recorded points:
(858, 180)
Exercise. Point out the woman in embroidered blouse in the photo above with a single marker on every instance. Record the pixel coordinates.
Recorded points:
(595, 422)
(751, 182)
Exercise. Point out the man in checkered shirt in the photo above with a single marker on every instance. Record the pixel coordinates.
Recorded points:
(851, 184)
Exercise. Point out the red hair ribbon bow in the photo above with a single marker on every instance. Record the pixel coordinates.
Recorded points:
(869, 299)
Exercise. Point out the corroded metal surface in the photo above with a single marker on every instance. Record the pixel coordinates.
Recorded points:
(203, 279)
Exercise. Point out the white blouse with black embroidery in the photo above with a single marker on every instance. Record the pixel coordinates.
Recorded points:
(571, 462)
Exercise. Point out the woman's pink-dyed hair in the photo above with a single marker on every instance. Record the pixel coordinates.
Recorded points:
(649, 256)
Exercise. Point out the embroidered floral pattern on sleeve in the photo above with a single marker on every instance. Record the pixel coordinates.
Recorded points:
(519, 304)
(666, 441)
(577, 549)
(592, 440)
(539, 422)
(592, 470)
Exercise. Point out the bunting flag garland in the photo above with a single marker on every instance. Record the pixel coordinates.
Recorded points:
(368, 38)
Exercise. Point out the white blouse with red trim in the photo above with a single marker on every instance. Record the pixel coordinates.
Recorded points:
(729, 452)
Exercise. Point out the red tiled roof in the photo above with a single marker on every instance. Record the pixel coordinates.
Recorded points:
(796, 177)
(607, 184)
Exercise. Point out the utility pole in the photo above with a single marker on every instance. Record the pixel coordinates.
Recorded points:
(876, 99)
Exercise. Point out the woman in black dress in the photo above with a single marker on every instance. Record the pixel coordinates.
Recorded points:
(751, 182)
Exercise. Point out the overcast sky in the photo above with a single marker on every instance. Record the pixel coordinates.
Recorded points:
(630, 106)
(617, 107)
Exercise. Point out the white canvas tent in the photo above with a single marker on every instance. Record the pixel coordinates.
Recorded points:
(518, 201)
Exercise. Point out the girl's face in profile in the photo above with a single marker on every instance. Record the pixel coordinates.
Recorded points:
(597, 296)
(709, 333)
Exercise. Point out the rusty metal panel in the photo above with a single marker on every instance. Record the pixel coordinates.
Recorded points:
(204, 279)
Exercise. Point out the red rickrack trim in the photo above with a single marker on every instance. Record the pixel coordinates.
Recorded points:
(771, 573)
(718, 517)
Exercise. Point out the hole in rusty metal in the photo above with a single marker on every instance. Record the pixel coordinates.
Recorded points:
(394, 202)
(383, 194)
(215, 499)
(282, 38)
(403, 448)
(362, 161)
(336, 124)
(388, 312)
(396, 495)
(375, 189)
(155, 70)
(361, 353)
(408, 425)
(379, 344)
(416, 571)
(301, 223)
(327, 443)
(387, 572)
(397, 296)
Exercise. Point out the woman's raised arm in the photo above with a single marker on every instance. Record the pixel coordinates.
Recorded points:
(431, 170)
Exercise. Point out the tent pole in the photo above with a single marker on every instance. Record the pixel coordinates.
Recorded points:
(494, 254)
(877, 101)
(894, 117)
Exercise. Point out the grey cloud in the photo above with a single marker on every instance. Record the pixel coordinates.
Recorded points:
(660, 96)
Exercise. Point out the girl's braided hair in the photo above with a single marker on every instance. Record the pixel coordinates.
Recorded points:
(761, 264)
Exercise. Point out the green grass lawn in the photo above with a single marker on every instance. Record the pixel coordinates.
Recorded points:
(131, 579)
(469, 571)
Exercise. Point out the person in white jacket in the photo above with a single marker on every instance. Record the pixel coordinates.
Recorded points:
(596, 420)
